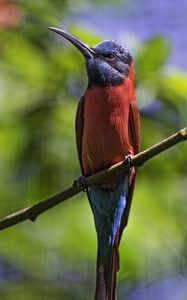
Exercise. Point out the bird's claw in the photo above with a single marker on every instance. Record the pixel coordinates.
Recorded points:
(128, 160)
(81, 183)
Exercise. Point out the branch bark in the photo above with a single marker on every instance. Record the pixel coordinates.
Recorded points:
(32, 212)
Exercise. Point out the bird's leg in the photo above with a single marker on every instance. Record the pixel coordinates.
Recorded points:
(81, 183)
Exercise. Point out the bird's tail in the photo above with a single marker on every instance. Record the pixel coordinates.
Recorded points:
(107, 267)
(108, 206)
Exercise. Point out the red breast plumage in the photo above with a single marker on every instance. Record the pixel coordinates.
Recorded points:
(106, 138)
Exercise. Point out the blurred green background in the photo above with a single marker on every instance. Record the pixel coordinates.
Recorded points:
(41, 80)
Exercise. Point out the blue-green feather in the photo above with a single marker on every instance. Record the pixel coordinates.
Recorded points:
(108, 207)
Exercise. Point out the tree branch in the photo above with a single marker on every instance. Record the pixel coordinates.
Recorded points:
(32, 212)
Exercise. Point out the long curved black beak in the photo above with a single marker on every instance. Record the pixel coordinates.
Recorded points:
(85, 49)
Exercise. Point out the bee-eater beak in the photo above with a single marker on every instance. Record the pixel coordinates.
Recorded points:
(85, 49)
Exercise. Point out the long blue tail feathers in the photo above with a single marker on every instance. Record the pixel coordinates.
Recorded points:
(108, 207)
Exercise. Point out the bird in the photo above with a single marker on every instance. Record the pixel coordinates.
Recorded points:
(107, 131)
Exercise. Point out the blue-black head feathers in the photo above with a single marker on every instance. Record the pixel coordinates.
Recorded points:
(107, 63)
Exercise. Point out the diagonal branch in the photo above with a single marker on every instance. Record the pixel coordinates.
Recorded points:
(32, 212)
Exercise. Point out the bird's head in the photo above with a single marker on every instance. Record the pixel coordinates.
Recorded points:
(107, 63)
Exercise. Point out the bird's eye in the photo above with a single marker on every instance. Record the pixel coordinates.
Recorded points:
(111, 56)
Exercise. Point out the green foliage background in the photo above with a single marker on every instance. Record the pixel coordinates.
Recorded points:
(41, 80)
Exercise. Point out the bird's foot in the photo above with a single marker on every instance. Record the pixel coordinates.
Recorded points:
(81, 183)
(131, 169)
(128, 160)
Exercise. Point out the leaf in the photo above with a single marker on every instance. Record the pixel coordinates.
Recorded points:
(174, 85)
(151, 57)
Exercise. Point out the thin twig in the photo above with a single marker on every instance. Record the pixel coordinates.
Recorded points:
(32, 212)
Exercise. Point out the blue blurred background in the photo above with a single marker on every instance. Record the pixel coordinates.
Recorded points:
(41, 80)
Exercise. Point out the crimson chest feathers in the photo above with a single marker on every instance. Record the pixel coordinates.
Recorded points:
(106, 117)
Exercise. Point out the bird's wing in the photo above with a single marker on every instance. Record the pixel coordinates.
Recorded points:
(134, 135)
(79, 124)
(134, 126)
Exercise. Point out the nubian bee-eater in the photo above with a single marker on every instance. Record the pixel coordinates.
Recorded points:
(107, 130)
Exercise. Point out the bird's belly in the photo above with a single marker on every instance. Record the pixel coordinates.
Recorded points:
(105, 134)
